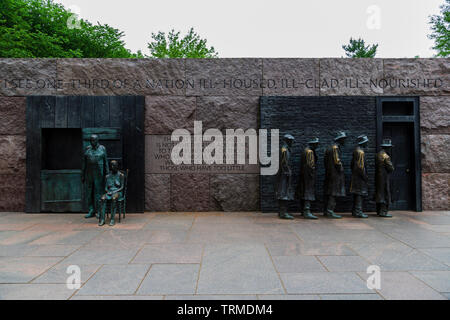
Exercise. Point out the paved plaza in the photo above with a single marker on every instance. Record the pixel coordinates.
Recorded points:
(218, 255)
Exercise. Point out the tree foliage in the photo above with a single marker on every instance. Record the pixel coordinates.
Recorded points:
(39, 28)
(440, 26)
(175, 46)
(358, 49)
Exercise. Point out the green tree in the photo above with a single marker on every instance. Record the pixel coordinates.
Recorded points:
(173, 46)
(440, 26)
(358, 49)
(40, 29)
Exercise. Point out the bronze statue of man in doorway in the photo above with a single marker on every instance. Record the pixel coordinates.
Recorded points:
(93, 173)
(383, 170)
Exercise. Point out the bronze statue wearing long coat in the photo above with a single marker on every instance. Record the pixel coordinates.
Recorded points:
(334, 172)
(383, 169)
(359, 173)
(307, 181)
(93, 172)
(284, 178)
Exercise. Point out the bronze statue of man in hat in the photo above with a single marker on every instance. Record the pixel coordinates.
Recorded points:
(383, 170)
(358, 185)
(307, 182)
(334, 185)
(284, 178)
(93, 173)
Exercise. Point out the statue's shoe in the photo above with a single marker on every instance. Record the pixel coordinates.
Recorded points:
(102, 222)
(112, 222)
(90, 215)
(286, 216)
(309, 216)
(385, 215)
(360, 215)
(332, 215)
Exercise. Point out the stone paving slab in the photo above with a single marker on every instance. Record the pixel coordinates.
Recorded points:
(21, 237)
(310, 249)
(58, 274)
(225, 255)
(16, 250)
(440, 254)
(102, 255)
(243, 269)
(68, 237)
(168, 236)
(344, 263)
(24, 269)
(397, 256)
(170, 222)
(404, 286)
(438, 280)
(25, 250)
(324, 282)
(169, 253)
(286, 264)
(15, 226)
(170, 279)
(35, 292)
(115, 280)
(6, 234)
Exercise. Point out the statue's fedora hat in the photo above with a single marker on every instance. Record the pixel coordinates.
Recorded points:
(314, 140)
(288, 137)
(387, 142)
(362, 139)
(340, 135)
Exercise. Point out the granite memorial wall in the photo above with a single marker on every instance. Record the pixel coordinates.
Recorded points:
(222, 93)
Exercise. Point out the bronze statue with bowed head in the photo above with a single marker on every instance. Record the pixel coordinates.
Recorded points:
(334, 185)
(383, 170)
(284, 178)
(358, 185)
(307, 182)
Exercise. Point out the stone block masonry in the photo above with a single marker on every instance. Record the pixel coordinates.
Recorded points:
(435, 131)
(223, 93)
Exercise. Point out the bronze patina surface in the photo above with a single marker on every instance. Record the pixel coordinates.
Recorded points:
(358, 185)
(93, 173)
(383, 170)
(284, 181)
(114, 186)
(334, 185)
(307, 182)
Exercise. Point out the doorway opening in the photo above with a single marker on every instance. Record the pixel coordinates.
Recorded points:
(398, 119)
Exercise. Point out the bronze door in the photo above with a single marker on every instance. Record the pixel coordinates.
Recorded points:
(402, 179)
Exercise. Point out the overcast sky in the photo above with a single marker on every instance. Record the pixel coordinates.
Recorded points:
(273, 28)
